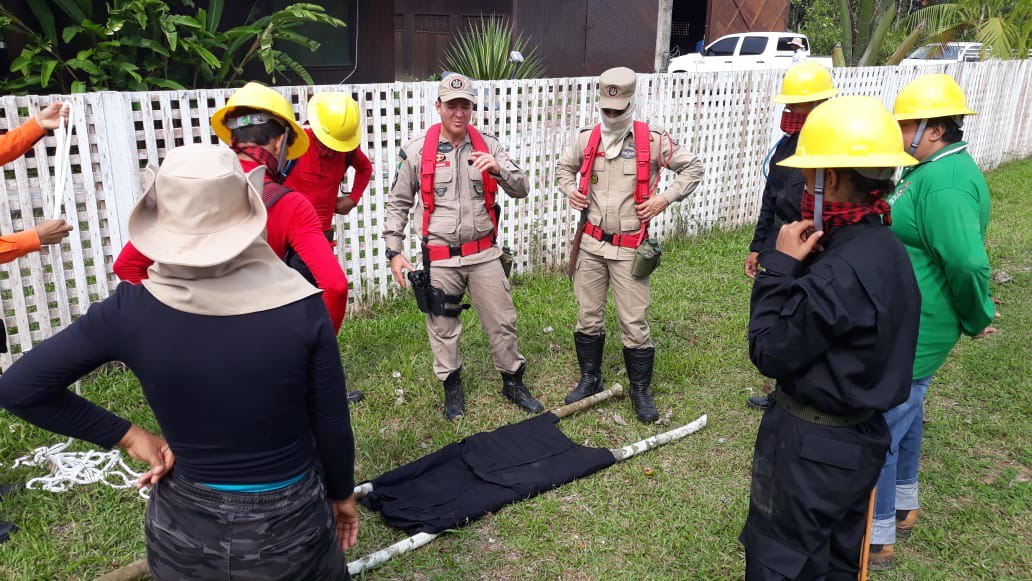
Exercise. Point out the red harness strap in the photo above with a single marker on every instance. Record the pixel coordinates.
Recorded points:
(643, 156)
(427, 168)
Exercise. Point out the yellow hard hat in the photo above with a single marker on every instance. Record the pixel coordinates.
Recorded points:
(850, 132)
(805, 82)
(335, 120)
(930, 96)
(258, 96)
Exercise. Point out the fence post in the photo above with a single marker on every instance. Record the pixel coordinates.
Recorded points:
(119, 162)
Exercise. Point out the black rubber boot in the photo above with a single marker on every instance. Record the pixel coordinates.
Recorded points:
(514, 389)
(639, 364)
(454, 397)
(589, 356)
(6, 530)
(761, 402)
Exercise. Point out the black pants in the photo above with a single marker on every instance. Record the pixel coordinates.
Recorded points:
(195, 532)
(808, 502)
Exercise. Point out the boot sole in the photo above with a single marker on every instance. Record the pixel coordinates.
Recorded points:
(568, 400)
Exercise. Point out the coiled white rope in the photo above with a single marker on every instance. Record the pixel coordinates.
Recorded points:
(70, 469)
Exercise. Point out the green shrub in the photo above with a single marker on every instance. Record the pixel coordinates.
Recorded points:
(147, 44)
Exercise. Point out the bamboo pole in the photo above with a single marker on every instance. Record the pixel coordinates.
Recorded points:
(374, 560)
(647, 444)
(865, 549)
(570, 409)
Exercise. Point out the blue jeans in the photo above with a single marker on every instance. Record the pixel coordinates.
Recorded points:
(897, 485)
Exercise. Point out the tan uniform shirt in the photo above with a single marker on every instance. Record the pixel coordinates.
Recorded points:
(459, 213)
(611, 200)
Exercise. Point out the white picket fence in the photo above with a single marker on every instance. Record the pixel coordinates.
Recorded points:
(726, 118)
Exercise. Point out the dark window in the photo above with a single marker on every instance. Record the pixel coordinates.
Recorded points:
(432, 23)
(753, 45)
(723, 47)
(785, 47)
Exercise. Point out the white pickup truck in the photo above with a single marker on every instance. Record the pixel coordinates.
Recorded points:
(749, 50)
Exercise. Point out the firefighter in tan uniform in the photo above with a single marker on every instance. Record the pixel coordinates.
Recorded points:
(616, 188)
(453, 182)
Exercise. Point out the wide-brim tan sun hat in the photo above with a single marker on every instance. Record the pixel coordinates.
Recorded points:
(198, 207)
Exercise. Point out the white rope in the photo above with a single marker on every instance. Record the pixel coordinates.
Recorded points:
(62, 161)
(70, 469)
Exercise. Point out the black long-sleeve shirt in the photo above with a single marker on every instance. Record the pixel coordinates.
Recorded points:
(242, 399)
(839, 331)
(782, 195)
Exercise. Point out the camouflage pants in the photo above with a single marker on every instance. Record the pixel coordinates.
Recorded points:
(195, 532)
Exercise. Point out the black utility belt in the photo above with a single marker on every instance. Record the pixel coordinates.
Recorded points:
(813, 415)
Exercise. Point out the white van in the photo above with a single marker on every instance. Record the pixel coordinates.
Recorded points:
(749, 50)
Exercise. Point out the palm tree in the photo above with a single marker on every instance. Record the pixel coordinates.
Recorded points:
(864, 24)
(1002, 26)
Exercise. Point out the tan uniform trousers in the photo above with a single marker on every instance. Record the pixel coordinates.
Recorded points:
(489, 294)
(630, 296)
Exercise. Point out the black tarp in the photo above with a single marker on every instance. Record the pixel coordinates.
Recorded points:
(480, 474)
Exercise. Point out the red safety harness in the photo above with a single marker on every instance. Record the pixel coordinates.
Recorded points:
(427, 168)
(641, 188)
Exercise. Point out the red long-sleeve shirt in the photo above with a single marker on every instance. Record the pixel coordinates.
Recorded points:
(291, 222)
(318, 175)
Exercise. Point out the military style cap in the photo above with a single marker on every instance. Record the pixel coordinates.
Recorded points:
(616, 88)
(456, 86)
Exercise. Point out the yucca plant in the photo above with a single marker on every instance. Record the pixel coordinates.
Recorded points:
(482, 52)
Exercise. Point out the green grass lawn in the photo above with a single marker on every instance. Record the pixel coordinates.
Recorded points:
(673, 513)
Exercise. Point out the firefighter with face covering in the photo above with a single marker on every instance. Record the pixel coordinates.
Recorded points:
(619, 161)
(804, 86)
(834, 320)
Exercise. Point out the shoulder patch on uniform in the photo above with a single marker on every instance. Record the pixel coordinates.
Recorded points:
(402, 154)
(583, 129)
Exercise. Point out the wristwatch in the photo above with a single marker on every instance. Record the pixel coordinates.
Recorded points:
(391, 254)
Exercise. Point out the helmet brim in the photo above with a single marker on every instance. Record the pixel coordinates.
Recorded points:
(294, 150)
(832, 161)
(793, 99)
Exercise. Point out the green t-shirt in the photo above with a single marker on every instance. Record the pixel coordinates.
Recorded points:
(940, 211)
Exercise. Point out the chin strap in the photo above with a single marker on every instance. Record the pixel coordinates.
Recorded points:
(818, 202)
(917, 137)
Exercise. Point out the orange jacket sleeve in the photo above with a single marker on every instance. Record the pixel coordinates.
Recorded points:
(18, 244)
(17, 141)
